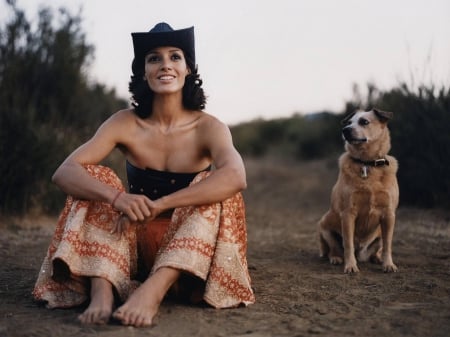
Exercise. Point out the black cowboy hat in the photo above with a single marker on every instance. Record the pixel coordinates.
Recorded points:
(163, 35)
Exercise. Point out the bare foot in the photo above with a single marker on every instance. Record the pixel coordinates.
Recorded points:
(102, 301)
(143, 304)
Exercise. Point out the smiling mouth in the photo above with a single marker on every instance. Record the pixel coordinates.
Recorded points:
(166, 77)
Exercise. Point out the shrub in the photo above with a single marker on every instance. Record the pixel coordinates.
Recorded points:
(47, 106)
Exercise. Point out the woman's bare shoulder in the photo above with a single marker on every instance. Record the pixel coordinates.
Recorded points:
(120, 119)
(210, 122)
(213, 131)
(123, 115)
(118, 124)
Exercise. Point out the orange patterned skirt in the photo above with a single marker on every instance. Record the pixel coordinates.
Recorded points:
(208, 242)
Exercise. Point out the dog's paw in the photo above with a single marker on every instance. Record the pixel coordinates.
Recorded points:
(390, 268)
(351, 268)
(336, 260)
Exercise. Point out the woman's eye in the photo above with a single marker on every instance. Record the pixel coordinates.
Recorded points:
(176, 56)
(152, 58)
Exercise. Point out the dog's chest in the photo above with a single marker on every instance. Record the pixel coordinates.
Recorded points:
(367, 187)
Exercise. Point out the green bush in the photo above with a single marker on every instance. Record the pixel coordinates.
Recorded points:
(47, 106)
(298, 137)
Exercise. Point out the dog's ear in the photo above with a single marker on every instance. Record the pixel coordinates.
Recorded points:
(347, 118)
(383, 116)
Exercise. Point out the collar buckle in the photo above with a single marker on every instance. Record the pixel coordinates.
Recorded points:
(380, 162)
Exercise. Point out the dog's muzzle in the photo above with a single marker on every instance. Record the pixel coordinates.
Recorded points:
(347, 133)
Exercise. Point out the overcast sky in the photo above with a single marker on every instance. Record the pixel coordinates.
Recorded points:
(269, 59)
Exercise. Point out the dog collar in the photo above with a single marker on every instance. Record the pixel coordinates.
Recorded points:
(374, 163)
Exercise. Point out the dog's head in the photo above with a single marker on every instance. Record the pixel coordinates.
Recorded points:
(365, 126)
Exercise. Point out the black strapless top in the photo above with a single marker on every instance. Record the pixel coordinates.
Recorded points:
(156, 184)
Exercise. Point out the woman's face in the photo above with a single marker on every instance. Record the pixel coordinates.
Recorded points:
(165, 70)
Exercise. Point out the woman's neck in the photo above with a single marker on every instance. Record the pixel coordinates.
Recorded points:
(168, 110)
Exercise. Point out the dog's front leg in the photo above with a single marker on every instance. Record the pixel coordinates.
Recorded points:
(387, 233)
(348, 234)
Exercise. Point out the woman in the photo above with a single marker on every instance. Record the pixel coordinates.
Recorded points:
(180, 220)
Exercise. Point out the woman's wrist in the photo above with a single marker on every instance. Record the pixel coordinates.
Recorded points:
(116, 196)
(162, 203)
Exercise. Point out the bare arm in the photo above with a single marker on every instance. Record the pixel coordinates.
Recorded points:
(228, 178)
(73, 179)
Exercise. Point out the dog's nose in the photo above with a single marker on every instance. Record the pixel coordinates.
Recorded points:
(347, 132)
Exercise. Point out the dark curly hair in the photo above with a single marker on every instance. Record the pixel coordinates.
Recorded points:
(193, 95)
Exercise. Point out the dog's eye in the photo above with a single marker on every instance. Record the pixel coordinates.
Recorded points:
(363, 122)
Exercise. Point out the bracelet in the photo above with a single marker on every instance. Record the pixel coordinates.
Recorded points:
(116, 197)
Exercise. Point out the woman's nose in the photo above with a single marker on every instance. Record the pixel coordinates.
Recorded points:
(166, 63)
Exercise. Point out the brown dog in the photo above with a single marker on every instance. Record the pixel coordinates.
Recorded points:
(365, 197)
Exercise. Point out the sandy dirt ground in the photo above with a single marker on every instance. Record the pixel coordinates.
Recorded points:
(298, 294)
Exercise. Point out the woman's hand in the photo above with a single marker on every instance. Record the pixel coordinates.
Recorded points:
(136, 209)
